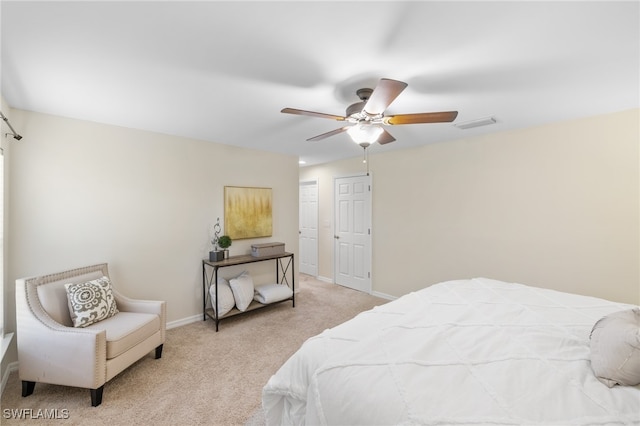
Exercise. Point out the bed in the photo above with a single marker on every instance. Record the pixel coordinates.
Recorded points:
(469, 352)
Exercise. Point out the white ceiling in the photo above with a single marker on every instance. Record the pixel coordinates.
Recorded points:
(222, 71)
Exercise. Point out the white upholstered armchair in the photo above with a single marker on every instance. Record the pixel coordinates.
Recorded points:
(51, 350)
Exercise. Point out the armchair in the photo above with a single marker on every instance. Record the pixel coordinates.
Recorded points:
(51, 350)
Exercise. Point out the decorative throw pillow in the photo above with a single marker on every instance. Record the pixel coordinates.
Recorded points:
(91, 301)
(242, 287)
(225, 297)
(615, 348)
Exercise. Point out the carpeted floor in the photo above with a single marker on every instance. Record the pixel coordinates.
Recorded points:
(203, 377)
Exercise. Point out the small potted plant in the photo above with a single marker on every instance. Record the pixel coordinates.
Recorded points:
(224, 242)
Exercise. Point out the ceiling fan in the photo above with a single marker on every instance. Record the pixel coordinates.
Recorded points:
(367, 116)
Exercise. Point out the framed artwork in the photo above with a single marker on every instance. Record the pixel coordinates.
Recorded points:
(247, 212)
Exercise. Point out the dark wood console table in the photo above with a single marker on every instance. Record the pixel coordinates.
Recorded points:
(210, 277)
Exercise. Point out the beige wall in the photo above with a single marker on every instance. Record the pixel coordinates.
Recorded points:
(83, 193)
(554, 206)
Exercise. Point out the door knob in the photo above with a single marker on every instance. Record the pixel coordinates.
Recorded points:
(337, 237)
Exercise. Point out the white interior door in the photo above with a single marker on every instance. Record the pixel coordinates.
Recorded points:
(353, 232)
(308, 233)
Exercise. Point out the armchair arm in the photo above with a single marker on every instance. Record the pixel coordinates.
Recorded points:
(126, 304)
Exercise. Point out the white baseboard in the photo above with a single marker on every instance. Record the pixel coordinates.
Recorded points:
(383, 295)
(13, 366)
(6, 341)
(373, 293)
(184, 321)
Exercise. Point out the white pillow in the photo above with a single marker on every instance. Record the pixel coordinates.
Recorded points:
(270, 293)
(91, 301)
(225, 297)
(242, 288)
(615, 348)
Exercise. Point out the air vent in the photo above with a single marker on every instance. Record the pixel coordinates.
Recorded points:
(476, 123)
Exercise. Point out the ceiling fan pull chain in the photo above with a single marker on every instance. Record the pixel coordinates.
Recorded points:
(365, 158)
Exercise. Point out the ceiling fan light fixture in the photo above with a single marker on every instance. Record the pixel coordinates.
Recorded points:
(367, 116)
(365, 133)
(476, 123)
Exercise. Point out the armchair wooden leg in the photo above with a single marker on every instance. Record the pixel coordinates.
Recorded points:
(159, 352)
(27, 387)
(96, 396)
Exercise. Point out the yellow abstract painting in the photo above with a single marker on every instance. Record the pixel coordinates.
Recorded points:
(247, 212)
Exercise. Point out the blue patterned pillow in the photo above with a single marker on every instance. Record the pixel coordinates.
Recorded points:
(91, 301)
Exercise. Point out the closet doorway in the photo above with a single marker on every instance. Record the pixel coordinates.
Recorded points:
(308, 231)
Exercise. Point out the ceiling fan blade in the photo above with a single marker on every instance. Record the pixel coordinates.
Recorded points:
(331, 133)
(313, 114)
(385, 92)
(425, 117)
(385, 137)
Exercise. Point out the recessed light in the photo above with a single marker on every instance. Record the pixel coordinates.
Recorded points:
(302, 162)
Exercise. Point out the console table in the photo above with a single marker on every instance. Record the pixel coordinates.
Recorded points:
(284, 265)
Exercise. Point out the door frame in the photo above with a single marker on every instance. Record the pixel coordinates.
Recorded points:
(370, 219)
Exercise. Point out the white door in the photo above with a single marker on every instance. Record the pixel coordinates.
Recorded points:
(308, 222)
(353, 232)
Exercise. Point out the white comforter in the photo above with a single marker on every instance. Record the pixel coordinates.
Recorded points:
(461, 352)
